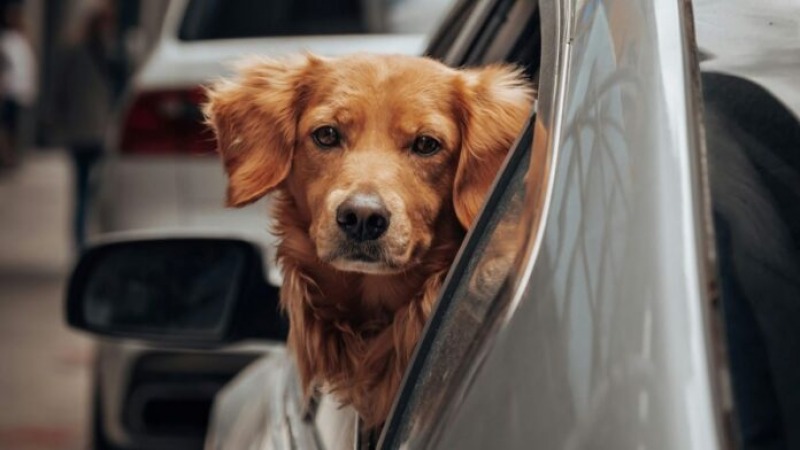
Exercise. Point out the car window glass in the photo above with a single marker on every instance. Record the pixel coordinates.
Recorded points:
(450, 29)
(512, 36)
(485, 267)
(519, 19)
(218, 19)
(467, 305)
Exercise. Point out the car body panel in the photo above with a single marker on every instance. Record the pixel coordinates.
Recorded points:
(604, 344)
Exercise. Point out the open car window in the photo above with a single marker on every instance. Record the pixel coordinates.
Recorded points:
(450, 29)
(468, 304)
(466, 307)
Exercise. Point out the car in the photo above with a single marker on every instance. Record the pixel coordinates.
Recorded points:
(162, 177)
(643, 296)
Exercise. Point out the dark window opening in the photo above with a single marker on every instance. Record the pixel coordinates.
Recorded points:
(220, 19)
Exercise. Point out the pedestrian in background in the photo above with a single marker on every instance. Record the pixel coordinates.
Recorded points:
(18, 79)
(83, 102)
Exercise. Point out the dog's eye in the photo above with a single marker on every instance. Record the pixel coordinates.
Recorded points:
(426, 145)
(326, 137)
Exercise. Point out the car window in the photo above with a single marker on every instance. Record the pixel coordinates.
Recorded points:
(519, 40)
(504, 36)
(467, 307)
(450, 29)
(506, 31)
(225, 19)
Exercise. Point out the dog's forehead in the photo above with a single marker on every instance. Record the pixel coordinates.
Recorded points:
(386, 76)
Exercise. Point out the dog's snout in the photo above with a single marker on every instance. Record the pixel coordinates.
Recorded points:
(363, 217)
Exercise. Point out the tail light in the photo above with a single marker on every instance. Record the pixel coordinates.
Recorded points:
(166, 122)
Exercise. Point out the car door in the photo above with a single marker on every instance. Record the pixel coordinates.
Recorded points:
(577, 314)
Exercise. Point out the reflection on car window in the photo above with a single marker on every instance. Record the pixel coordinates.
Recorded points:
(514, 37)
(518, 40)
(452, 27)
(218, 19)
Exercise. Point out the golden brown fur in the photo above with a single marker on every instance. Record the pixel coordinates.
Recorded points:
(354, 323)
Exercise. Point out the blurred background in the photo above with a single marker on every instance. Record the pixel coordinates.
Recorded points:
(45, 373)
(100, 134)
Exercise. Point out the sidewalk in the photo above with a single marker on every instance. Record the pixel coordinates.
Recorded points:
(44, 376)
(35, 203)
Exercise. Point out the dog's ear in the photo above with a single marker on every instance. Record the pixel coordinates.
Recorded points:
(254, 117)
(493, 103)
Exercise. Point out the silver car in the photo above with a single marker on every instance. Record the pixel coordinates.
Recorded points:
(646, 294)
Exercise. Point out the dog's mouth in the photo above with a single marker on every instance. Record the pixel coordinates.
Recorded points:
(365, 257)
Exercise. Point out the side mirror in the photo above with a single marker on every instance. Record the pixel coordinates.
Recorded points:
(184, 291)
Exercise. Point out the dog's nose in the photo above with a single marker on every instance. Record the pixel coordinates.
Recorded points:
(363, 217)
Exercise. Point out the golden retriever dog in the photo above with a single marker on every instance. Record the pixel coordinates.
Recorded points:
(378, 165)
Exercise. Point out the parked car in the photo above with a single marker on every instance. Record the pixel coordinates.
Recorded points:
(651, 296)
(161, 177)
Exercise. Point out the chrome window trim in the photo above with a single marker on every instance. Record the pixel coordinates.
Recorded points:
(553, 71)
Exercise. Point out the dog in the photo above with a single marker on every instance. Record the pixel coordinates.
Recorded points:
(378, 166)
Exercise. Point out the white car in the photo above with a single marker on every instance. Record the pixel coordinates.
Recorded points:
(161, 175)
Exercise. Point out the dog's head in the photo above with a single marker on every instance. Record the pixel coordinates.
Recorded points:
(373, 150)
